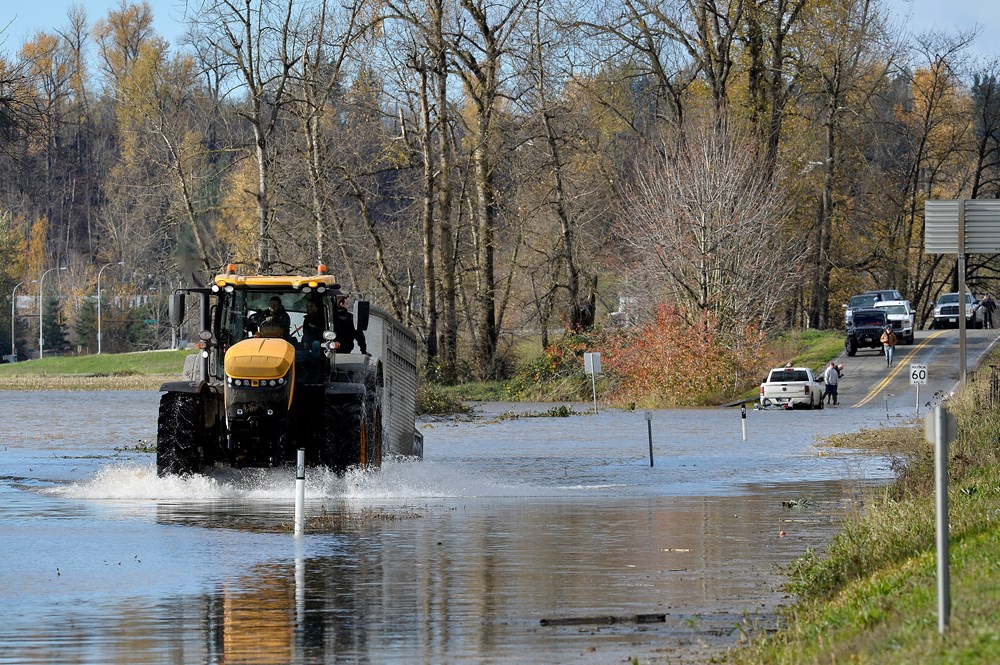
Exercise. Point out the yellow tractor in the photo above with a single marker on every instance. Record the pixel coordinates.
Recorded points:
(284, 364)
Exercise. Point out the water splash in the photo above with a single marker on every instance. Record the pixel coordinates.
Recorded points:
(395, 480)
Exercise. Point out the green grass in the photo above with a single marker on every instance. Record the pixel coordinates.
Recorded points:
(105, 364)
(815, 348)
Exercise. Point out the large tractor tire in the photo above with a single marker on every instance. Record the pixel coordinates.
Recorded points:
(346, 433)
(180, 435)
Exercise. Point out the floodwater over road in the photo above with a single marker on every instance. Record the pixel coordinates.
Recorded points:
(547, 540)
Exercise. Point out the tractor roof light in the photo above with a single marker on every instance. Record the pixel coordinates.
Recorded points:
(230, 268)
(321, 269)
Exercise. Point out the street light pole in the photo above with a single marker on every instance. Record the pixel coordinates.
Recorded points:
(41, 284)
(120, 263)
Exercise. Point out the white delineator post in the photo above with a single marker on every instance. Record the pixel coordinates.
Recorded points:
(300, 491)
(592, 366)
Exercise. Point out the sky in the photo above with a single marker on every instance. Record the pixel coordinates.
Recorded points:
(24, 18)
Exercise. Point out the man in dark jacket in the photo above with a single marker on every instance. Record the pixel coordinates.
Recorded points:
(343, 325)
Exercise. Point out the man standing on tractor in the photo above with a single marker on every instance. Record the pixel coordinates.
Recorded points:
(343, 325)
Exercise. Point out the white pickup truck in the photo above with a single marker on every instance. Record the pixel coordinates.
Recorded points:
(789, 387)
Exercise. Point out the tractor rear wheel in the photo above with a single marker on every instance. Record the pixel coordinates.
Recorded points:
(346, 432)
(180, 434)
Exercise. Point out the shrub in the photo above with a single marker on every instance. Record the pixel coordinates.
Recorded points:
(558, 373)
(674, 360)
(432, 400)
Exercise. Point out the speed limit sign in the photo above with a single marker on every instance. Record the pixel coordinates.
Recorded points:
(918, 375)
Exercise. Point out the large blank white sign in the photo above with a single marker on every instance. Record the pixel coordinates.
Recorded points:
(982, 226)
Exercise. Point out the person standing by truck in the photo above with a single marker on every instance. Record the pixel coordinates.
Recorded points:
(987, 304)
(831, 377)
(888, 340)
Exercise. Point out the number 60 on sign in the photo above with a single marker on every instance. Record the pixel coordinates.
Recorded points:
(918, 375)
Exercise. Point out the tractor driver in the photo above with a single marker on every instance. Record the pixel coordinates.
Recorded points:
(273, 321)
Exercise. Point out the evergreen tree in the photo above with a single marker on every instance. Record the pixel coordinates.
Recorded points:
(54, 331)
(86, 325)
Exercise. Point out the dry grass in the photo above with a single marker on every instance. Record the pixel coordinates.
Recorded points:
(82, 383)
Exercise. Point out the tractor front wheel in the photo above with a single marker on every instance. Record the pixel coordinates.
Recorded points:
(180, 434)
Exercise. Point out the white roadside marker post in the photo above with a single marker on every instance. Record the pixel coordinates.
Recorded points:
(300, 490)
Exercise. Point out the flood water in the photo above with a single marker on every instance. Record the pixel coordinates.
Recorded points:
(546, 540)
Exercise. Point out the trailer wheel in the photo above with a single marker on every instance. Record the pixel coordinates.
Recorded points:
(345, 434)
(374, 439)
(180, 434)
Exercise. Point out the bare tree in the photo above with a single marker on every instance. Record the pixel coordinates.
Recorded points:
(479, 49)
(256, 40)
(705, 230)
(849, 57)
(582, 301)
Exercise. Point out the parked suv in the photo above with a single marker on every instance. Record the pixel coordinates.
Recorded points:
(946, 312)
(865, 330)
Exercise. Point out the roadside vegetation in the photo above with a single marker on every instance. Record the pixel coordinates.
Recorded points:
(658, 365)
(870, 597)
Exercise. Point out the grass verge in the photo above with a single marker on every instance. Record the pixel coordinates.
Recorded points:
(107, 371)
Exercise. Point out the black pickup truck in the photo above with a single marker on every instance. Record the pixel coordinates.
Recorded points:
(865, 331)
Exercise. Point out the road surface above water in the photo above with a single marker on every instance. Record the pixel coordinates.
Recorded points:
(516, 539)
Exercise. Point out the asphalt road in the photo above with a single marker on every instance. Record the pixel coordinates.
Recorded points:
(868, 382)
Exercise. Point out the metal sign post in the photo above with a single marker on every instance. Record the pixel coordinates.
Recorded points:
(649, 432)
(940, 429)
(918, 377)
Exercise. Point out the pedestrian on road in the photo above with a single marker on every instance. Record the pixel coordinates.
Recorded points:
(831, 377)
(988, 305)
(888, 340)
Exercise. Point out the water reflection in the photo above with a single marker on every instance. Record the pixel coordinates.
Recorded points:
(474, 580)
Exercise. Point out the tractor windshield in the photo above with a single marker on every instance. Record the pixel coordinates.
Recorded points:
(298, 318)
(243, 313)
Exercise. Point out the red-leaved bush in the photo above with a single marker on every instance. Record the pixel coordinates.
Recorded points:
(672, 362)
